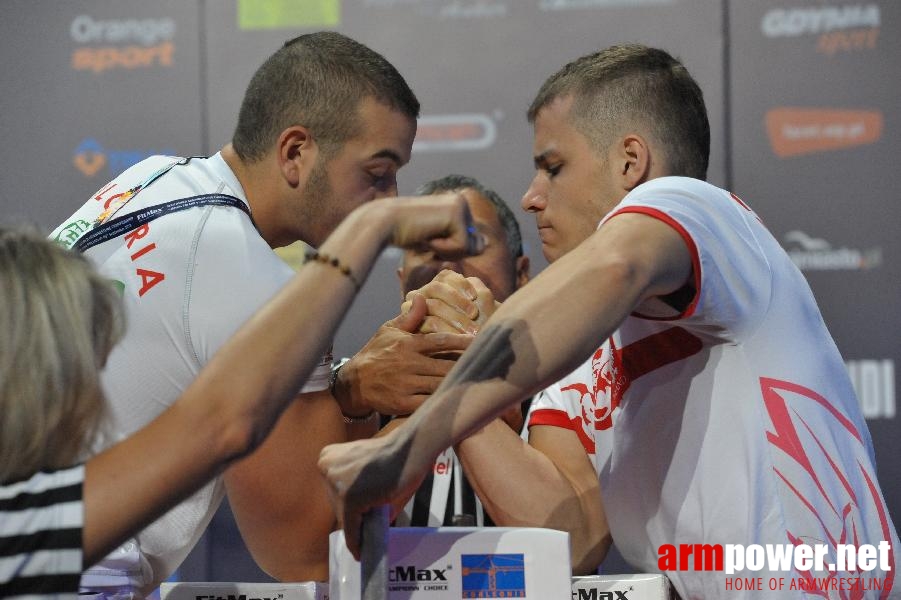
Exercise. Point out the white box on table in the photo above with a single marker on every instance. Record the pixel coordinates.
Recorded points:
(462, 562)
(640, 586)
(212, 590)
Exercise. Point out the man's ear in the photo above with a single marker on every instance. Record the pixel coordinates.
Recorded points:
(633, 160)
(522, 271)
(296, 150)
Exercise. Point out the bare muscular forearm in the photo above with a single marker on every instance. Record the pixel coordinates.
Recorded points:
(553, 485)
(533, 339)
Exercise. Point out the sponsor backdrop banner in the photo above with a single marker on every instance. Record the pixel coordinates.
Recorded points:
(90, 88)
(798, 94)
(814, 128)
(475, 66)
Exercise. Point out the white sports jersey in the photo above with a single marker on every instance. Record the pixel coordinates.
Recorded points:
(189, 280)
(734, 420)
(571, 404)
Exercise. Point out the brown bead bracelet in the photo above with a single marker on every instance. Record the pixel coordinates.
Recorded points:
(321, 257)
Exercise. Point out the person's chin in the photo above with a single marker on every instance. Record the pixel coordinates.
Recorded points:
(550, 253)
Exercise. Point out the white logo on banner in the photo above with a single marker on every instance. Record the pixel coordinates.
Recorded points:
(457, 9)
(549, 5)
(472, 10)
(87, 30)
(814, 254)
(874, 383)
(795, 22)
(105, 44)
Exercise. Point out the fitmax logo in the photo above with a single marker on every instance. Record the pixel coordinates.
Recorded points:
(411, 573)
(596, 595)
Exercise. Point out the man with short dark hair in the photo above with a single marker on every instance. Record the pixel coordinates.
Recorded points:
(324, 127)
(733, 418)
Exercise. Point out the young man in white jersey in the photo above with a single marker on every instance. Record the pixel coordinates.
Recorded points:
(733, 418)
(324, 126)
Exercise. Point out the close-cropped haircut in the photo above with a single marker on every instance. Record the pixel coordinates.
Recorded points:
(317, 80)
(452, 183)
(60, 320)
(634, 86)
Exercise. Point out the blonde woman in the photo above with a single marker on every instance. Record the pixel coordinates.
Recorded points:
(59, 513)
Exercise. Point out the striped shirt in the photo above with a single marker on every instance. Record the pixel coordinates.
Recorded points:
(445, 498)
(41, 520)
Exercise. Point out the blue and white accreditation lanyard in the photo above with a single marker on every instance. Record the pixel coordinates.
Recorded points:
(106, 228)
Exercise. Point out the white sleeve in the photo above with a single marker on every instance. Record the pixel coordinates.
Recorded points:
(732, 278)
(234, 274)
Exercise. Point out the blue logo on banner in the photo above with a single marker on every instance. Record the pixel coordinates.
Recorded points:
(90, 157)
(493, 575)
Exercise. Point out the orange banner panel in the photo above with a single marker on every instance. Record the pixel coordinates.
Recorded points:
(797, 131)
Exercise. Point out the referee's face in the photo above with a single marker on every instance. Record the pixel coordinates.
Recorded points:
(498, 269)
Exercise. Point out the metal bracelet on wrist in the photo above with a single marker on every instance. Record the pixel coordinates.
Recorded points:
(348, 419)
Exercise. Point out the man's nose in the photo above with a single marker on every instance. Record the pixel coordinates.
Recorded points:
(534, 199)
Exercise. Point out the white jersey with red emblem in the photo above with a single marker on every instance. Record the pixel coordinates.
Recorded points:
(572, 403)
(733, 418)
(189, 279)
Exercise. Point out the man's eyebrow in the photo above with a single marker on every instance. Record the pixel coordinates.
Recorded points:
(541, 160)
(390, 155)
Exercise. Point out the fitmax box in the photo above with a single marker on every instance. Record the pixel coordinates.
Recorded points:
(462, 562)
(310, 590)
(641, 586)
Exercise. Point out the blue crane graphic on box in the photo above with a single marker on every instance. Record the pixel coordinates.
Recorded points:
(493, 575)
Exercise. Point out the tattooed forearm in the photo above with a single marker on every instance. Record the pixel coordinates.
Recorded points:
(503, 351)
(383, 470)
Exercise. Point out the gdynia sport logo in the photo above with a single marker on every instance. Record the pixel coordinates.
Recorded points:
(806, 566)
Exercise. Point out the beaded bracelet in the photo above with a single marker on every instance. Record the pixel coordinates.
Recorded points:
(332, 261)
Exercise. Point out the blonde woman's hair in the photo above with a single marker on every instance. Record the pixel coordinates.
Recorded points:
(58, 322)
